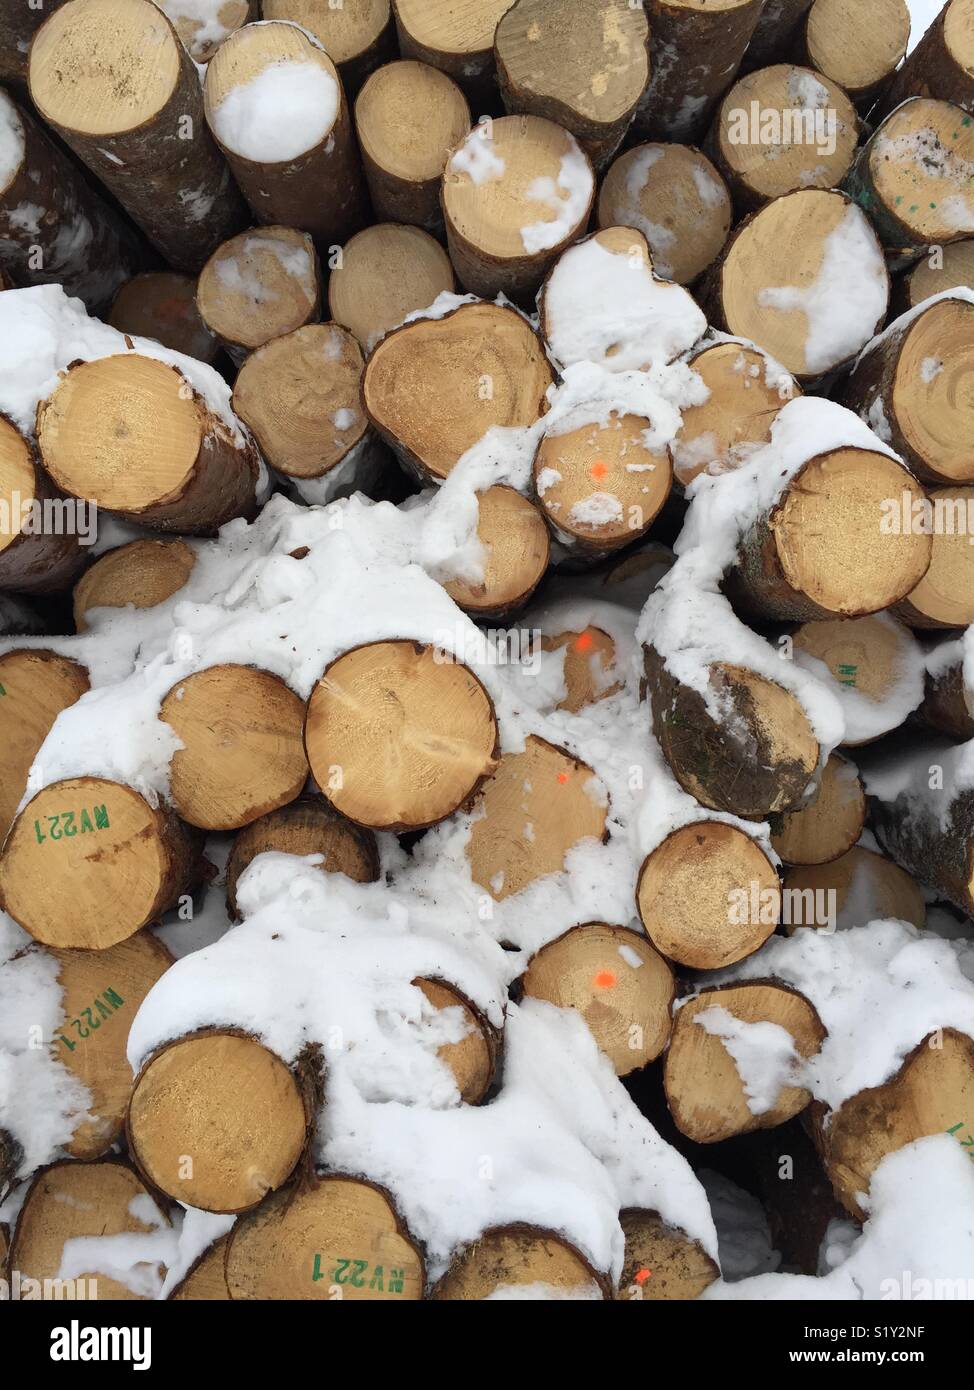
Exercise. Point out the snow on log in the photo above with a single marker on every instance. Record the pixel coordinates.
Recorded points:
(260, 285)
(942, 64)
(614, 978)
(675, 197)
(300, 394)
(357, 38)
(203, 25)
(584, 65)
(277, 109)
(34, 558)
(805, 278)
(948, 699)
(517, 549)
(735, 1059)
(83, 842)
(517, 191)
(241, 753)
(37, 685)
(484, 358)
(909, 384)
(335, 1233)
(387, 272)
(54, 229)
(828, 823)
(864, 886)
(661, 1263)
(507, 1259)
(144, 573)
(162, 305)
(697, 892)
(409, 118)
(399, 735)
(114, 81)
(191, 1137)
(695, 50)
(72, 1201)
(781, 129)
(457, 39)
(913, 178)
(858, 49)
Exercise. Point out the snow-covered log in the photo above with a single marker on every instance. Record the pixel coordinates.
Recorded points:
(143, 572)
(948, 698)
(517, 549)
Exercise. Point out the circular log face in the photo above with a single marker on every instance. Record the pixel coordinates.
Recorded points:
(867, 887)
(543, 788)
(784, 283)
(300, 395)
(661, 1262)
(242, 754)
(959, 33)
(812, 124)
(143, 573)
(16, 482)
(829, 538)
(84, 864)
(387, 272)
(344, 31)
(600, 486)
(826, 826)
(920, 163)
(102, 994)
(865, 654)
(339, 1238)
(206, 1281)
(467, 27)
(36, 686)
(162, 305)
(933, 389)
(855, 47)
(123, 431)
(954, 267)
(388, 131)
(708, 895)
(69, 1201)
(618, 983)
(260, 285)
(101, 68)
(704, 1089)
(192, 1137)
(944, 596)
(589, 656)
(932, 1093)
(514, 1256)
(472, 1059)
(482, 358)
(516, 551)
(735, 420)
(399, 735)
(501, 189)
(677, 199)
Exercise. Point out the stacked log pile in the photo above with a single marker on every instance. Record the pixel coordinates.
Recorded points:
(485, 679)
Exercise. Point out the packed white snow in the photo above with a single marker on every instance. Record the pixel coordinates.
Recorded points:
(569, 197)
(283, 112)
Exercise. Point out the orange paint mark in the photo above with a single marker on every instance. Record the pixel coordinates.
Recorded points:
(642, 1275)
(563, 777)
(599, 469)
(583, 641)
(604, 979)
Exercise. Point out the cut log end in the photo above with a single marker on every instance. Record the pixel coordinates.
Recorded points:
(826, 826)
(516, 552)
(386, 273)
(944, 597)
(614, 978)
(399, 735)
(260, 285)
(916, 170)
(543, 788)
(32, 559)
(867, 655)
(37, 685)
(865, 887)
(661, 1263)
(242, 753)
(141, 573)
(192, 1138)
(506, 1258)
(589, 666)
(932, 393)
(472, 1060)
(858, 50)
(704, 1090)
(708, 895)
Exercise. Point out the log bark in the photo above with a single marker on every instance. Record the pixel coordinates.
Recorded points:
(698, 50)
(913, 179)
(909, 387)
(313, 180)
(386, 273)
(516, 193)
(775, 32)
(142, 573)
(258, 286)
(516, 553)
(35, 686)
(859, 49)
(37, 554)
(186, 1104)
(941, 65)
(510, 1255)
(358, 38)
(115, 82)
(54, 229)
(162, 305)
(405, 764)
(242, 753)
(948, 702)
(482, 357)
(760, 759)
(98, 436)
(583, 65)
(409, 118)
(84, 842)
